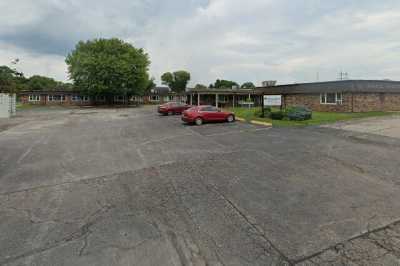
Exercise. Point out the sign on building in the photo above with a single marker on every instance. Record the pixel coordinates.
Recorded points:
(7, 105)
(272, 100)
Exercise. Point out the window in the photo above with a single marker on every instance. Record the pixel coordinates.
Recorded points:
(119, 98)
(136, 99)
(56, 98)
(76, 98)
(101, 98)
(209, 109)
(222, 98)
(154, 98)
(85, 98)
(169, 98)
(331, 98)
(34, 98)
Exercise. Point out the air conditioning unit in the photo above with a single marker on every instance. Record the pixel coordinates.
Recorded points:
(269, 83)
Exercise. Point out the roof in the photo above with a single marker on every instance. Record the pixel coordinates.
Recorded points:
(372, 86)
(48, 92)
(223, 91)
(161, 90)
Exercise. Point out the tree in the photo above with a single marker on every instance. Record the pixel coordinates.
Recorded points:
(41, 83)
(10, 79)
(150, 85)
(177, 80)
(200, 87)
(224, 84)
(248, 85)
(108, 67)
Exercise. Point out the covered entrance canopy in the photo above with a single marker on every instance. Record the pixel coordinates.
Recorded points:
(224, 97)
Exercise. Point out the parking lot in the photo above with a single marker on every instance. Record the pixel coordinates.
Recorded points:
(130, 187)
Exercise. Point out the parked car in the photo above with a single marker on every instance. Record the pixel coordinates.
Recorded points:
(172, 108)
(206, 113)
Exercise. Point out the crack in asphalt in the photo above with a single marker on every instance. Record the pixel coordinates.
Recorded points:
(339, 247)
(255, 227)
(83, 231)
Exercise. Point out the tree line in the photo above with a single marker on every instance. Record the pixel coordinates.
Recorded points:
(105, 67)
(14, 81)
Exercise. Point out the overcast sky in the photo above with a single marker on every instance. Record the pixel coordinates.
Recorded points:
(252, 40)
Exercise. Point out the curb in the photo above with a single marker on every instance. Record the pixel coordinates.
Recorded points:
(255, 122)
(261, 123)
(240, 119)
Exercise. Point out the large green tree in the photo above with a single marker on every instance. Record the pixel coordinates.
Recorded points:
(177, 80)
(11, 80)
(200, 87)
(41, 83)
(248, 85)
(221, 83)
(108, 67)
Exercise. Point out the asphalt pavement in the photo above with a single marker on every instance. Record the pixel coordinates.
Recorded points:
(130, 187)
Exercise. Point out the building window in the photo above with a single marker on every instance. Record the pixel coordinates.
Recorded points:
(85, 98)
(136, 99)
(34, 98)
(154, 98)
(119, 98)
(76, 98)
(101, 98)
(169, 98)
(223, 98)
(331, 98)
(56, 98)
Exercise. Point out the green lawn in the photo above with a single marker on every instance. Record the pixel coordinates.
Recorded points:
(318, 117)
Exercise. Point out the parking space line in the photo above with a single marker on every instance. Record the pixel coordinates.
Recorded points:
(236, 132)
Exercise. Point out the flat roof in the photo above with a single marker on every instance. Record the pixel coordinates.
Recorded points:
(373, 86)
(223, 91)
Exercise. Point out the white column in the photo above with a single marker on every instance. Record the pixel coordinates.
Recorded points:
(216, 100)
(198, 99)
(191, 99)
(233, 102)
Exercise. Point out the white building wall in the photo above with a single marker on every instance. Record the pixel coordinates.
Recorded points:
(7, 105)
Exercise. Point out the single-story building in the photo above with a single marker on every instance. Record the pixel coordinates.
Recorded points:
(56, 98)
(161, 95)
(60, 97)
(340, 96)
(224, 97)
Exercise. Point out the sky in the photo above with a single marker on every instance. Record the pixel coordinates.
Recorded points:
(253, 40)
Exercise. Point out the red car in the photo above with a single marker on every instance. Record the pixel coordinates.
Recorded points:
(206, 113)
(172, 108)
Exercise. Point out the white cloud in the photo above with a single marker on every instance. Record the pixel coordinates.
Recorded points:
(34, 64)
(244, 41)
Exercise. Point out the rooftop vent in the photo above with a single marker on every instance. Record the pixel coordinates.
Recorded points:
(269, 83)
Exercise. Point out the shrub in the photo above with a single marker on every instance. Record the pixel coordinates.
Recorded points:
(298, 113)
(279, 115)
(258, 112)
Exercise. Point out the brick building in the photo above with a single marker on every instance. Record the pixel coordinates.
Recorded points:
(57, 97)
(340, 96)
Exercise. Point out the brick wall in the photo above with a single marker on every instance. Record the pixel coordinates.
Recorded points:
(313, 102)
(357, 102)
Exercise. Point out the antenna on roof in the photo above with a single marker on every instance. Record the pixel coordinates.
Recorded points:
(343, 75)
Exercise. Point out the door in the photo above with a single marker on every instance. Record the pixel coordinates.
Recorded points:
(214, 114)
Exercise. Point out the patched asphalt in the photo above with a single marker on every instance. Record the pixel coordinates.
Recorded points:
(129, 187)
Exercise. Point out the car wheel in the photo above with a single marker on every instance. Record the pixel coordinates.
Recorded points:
(198, 121)
(230, 118)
